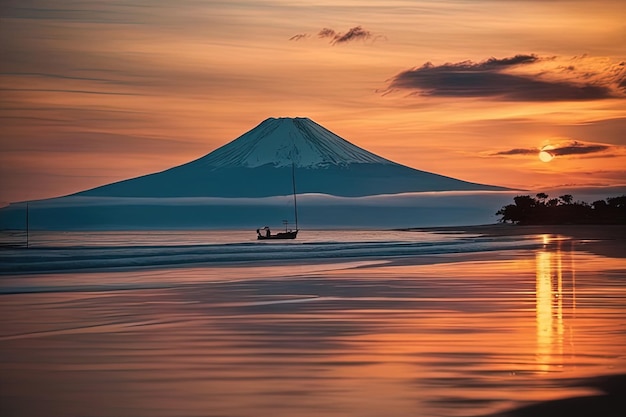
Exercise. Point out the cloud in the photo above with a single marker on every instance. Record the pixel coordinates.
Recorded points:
(519, 151)
(299, 36)
(524, 77)
(569, 148)
(578, 148)
(492, 62)
(353, 34)
(69, 91)
(326, 33)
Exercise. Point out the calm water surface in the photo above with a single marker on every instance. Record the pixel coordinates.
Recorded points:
(403, 324)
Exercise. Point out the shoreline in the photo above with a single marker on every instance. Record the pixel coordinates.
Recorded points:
(605, 240)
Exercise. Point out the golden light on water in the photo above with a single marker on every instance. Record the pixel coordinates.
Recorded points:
(549, 308)
(444, 334)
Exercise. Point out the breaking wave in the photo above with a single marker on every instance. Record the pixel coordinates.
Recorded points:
(56, 251)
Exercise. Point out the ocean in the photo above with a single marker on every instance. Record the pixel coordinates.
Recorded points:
(335, 323)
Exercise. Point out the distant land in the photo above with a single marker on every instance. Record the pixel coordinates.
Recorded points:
(248, 183)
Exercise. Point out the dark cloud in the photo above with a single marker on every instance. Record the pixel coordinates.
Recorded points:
(299, 36)
(491, 79)
(353, 34)
(571, 148)
(492, 62)
(327, 33)
(519, 151)
(578, 148)
(622, 75)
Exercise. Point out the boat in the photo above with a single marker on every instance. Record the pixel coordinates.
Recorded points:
(265, 233)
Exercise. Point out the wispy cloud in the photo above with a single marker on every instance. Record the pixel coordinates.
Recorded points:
(578, 148)
(563, 149)
(326, 33)
(299, 36)
(524, 77)
(356, 33)
(67, 91)
(518, 151)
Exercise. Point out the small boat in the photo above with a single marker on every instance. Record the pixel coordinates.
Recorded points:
(265, 233)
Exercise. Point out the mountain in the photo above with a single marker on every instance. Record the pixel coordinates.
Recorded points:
(259, 164)
(281, 142)
(248, 183)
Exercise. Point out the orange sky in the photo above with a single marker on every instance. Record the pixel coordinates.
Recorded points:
(95, 92)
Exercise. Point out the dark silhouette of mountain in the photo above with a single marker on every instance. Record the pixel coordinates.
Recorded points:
(258, 164)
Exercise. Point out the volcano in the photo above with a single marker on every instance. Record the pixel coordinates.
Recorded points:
(259, 164)
(248, 183)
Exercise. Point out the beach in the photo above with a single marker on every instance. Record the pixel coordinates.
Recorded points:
(607, 240)
(462, 321)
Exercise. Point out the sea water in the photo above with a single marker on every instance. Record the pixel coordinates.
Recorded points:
(335, 323)
(60, 251)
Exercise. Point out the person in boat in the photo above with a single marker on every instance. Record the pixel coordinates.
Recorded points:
(266, 230)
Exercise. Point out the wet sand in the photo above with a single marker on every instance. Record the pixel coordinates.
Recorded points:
(609, 401)
(607, 240)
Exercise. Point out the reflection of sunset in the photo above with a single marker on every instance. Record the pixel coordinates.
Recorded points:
(459, 334)
(549, 309)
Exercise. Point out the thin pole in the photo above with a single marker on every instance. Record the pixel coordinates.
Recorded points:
(293, 181)
(27, 228)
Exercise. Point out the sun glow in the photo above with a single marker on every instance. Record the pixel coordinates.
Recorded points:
(545, 155)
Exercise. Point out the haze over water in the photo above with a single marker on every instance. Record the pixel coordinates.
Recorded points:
(358, 323)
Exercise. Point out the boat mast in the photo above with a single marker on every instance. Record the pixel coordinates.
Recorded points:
(293, 182)
(27, 224)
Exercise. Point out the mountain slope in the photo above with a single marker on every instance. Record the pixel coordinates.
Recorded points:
(281, 142)
(259, 163)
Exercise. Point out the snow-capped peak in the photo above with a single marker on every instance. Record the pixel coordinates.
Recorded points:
(285, 141)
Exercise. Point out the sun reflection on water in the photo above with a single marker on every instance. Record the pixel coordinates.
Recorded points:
(550, 296)
(451, 335)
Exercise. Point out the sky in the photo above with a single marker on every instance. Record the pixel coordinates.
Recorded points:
(93, 92)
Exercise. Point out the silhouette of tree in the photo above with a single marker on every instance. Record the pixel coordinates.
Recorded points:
(541, 210)
(553, 202)
(510, 213)
(617, 202)
(566, 198)
(599, 205)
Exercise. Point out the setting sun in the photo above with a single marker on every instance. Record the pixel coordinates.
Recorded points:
(545, 155)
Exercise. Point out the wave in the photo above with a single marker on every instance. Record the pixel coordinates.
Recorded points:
(80, 258)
